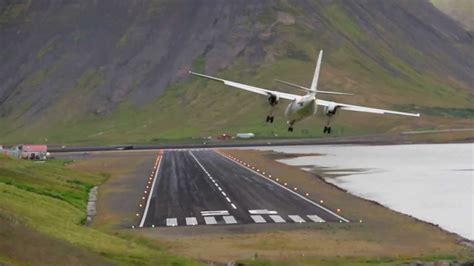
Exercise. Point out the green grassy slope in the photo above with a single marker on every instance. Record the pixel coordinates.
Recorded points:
(195, 108)
(46, 202)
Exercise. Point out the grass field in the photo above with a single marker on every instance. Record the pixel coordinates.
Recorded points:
(45, 202)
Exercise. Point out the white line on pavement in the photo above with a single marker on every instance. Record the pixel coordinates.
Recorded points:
(142, 222)
(214, 181)
(278, 184)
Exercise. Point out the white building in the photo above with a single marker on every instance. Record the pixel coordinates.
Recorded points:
(245, 135)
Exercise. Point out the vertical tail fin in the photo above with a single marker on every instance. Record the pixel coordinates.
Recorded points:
(314, 84)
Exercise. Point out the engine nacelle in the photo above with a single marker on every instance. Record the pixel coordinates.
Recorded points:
(330, 110)
(273, 100)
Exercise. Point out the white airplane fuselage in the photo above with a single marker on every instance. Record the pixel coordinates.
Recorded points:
(301, 109)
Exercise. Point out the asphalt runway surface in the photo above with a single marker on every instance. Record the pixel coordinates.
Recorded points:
(203, 187)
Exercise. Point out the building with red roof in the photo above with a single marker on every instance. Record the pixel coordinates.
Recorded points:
(33, 152)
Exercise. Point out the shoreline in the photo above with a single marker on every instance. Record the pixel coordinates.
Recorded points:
(324, 173)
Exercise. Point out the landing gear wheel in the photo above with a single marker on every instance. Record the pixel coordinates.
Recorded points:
(268, 118)
(327, 130)
(290, 129)
(271, 119)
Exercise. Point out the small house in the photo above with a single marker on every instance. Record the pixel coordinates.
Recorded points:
(34, 152)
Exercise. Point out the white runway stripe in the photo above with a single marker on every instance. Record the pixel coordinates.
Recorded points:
(263, 211)
(147, 205)
(258, 219)
(277, 219)
(213, 180)
(296, 218)
(287, 189)
(171, 222)
(214, 213)
(315, 218)
(191, 221)
(229, 219)
(210, 220)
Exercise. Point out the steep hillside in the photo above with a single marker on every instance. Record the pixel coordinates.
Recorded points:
(115, 71)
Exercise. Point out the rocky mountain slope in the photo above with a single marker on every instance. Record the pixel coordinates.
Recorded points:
(116, 71)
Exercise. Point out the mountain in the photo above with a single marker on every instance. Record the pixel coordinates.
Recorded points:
(116, 71)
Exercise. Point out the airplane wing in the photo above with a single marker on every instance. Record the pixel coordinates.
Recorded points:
(363, 109)
(253, 89)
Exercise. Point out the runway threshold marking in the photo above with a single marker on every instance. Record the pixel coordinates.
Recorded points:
(296, 218)
(191, 221)
(171, 222)
(145, 212)
(277, 219)
(258, 219)
(315, 218)
(213, 181)
(287, 189)
(229, 219)
(210, 220)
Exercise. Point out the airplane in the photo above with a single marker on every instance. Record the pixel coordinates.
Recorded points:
(304, 106)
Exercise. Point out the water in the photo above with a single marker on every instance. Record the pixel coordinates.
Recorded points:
(432, 182)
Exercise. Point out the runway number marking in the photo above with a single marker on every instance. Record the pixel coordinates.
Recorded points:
(213, 180)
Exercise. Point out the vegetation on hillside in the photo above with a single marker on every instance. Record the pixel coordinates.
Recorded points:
(368, 52)
(47, 202)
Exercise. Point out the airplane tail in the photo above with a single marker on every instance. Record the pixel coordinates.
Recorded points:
(314, 84)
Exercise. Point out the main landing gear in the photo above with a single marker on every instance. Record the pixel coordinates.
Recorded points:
(327, 130)
(270, 119)
(327, 127)
(290, 126)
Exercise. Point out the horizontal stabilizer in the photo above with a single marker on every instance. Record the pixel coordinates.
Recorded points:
(308, 90)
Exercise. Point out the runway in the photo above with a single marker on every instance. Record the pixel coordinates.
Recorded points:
(203, 187)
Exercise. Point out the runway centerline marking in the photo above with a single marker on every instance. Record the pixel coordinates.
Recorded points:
(213, 180)
(145, 212)
(287, 189)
